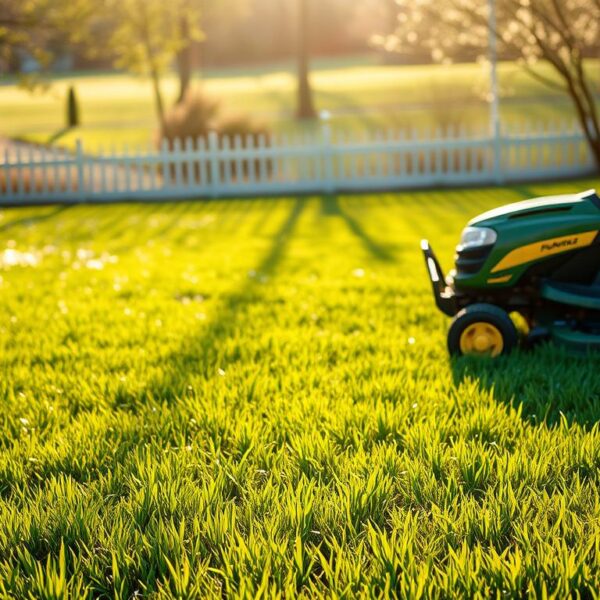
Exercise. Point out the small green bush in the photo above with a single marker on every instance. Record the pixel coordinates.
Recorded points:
(73, 119)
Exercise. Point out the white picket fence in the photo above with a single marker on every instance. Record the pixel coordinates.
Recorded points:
(322, 162)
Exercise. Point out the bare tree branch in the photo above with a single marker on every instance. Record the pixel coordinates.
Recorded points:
(543, 79)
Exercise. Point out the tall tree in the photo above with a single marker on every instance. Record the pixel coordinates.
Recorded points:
(190, 33)
(561, 33)
(149, 34)
(184, 58)
(305, 109)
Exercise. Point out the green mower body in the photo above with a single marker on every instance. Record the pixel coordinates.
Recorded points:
(539, 258)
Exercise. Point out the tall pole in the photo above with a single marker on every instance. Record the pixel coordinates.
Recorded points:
(494, 104)
(305, 109)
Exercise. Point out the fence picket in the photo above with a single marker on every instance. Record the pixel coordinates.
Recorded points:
(250, 161)
(226, 146)
(379, 141)
(19, 170)
(44, 170)
(80, 169)
(139, 169)
(414, 155)
(275, 146)
(239, 170)
(262, 163)
(189, 162)
(202, 171)
(285, 173)
(34, 171)
(427, 158)
(214, 158)
(114, 165)
(7, 168)
(403, 153)
(165, 164)
(176, 161)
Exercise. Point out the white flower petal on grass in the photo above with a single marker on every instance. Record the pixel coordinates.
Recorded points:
(84, 254)
(358, 272)
(411, 340)
(14, 258)
(95, 263)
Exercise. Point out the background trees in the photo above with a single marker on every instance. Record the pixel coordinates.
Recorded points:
(39, 29)
(561, 32)
(148, 35)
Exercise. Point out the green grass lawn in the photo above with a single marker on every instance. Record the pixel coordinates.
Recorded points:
(361, 94)
(253, 397)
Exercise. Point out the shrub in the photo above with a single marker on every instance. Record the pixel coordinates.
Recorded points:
(196, 117)
(72, 109)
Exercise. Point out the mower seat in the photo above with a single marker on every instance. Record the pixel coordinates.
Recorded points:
(585, 296)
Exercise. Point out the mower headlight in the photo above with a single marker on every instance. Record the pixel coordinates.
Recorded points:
(474, 237)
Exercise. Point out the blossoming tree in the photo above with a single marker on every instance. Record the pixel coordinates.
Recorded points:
(562, 33)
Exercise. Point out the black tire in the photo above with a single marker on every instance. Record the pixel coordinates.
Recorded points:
(483, 313)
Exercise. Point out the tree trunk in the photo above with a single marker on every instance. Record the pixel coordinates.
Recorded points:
(305, 109)
(158, 99)
(589, 126)
(184, 60)
(586, 113)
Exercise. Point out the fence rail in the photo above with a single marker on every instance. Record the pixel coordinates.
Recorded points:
(323, 162)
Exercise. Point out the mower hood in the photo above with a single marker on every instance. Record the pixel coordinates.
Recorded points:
(537, 206)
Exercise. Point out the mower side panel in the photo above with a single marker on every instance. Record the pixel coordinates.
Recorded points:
(575, 341)
(573, 295)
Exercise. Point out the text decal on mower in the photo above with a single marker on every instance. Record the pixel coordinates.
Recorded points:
(532, 252)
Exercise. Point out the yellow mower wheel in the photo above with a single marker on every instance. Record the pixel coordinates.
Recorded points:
(482, 330)
(481, 338)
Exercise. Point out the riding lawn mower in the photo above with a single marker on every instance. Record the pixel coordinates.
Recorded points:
(539, 258)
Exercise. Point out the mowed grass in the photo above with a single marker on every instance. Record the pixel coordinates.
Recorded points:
(253, 398)
(359, 93)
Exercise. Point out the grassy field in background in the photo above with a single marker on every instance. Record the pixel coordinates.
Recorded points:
(253, 397)
(119, 109)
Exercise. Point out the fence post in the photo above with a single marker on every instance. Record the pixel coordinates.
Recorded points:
(81, 192)
(213, 157)
(328, 154)
(497, 151)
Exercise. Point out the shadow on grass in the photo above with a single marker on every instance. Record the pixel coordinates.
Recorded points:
(209, 348)
(330, 206)
(58, 134)
(33, 220)
(545, 384)
(524, 191)
(201, 352)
